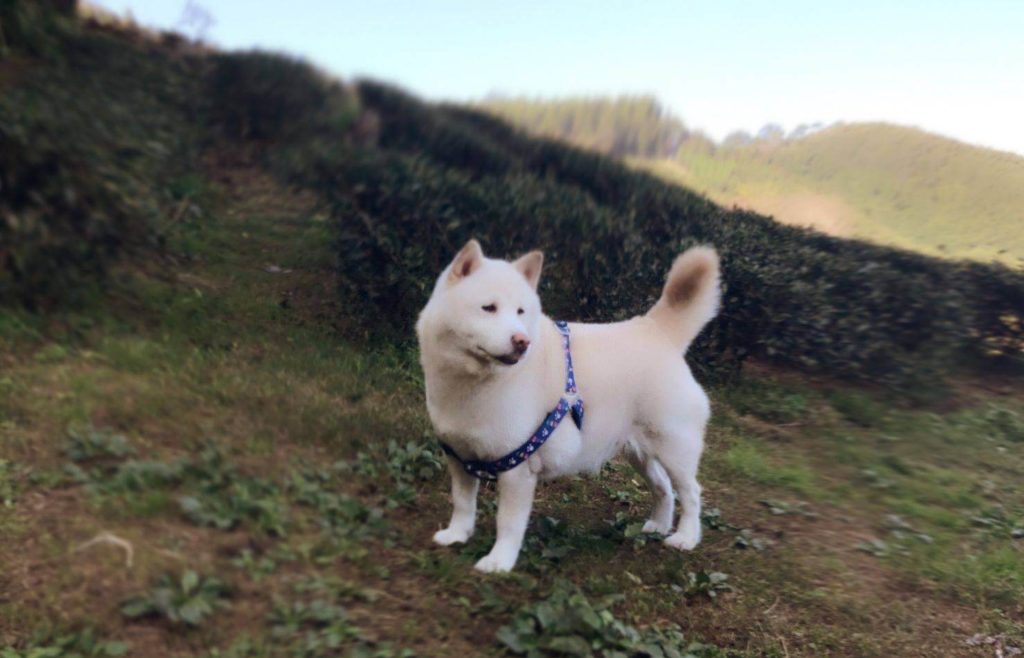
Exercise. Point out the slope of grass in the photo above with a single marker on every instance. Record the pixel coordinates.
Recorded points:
(902, 186)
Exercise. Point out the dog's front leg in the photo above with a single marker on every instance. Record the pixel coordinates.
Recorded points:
(515, 498)
(464, 490)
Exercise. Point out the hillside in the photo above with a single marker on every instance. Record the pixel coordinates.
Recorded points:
(888, 184)
(213, 437)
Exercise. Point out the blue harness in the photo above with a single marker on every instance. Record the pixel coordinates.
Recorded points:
(489, 470)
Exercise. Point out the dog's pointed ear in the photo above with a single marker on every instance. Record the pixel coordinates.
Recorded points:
(530, 265)
(469, 258)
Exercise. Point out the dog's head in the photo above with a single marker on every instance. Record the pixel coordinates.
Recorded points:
(483, 313)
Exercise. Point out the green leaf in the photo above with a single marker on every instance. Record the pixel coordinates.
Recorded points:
(137, 607)
(591, 619)
(189, 581)
(193, 611)
(545, 614)
(634, 530)
(572, 645)
(511, 639)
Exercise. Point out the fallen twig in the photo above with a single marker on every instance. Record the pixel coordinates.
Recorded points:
(114, 540)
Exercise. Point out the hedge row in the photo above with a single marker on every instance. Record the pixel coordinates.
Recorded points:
(266, 97)
(33, 27)
(58, 221)
(101, 132)
(95, 150)
(800, 298)
(97, 144)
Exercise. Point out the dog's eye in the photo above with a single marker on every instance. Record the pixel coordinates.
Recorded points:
(520, 311)
(490, 308)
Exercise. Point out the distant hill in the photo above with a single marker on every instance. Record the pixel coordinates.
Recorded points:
(880, 182)
(887, 183)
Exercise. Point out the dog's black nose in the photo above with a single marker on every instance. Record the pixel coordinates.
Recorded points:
(520, 342)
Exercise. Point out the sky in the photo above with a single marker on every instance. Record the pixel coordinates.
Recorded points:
(954, 68)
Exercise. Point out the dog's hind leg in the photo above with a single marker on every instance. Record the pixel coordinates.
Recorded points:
(658, 481)
(678, 447)
(464, 491)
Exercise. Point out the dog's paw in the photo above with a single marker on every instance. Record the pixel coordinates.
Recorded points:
(492, 563)
(450, 536)
(655, 528)
(683, 541)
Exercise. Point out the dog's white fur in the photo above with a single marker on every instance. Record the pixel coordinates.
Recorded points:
(639, 394)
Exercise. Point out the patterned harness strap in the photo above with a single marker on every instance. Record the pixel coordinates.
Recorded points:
(570, 376)
(489, 470)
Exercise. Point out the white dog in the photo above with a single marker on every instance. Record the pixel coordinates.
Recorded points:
(497, 381)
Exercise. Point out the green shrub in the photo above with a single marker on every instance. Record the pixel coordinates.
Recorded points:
(407, 216)
(796, 297)
(32, 27)
(90, 148)
(413, 127)
(266, 96)
(58, 219)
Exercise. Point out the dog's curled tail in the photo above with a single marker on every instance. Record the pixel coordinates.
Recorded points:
(690, 297)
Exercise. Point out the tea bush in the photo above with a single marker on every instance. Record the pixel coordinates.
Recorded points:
(101, 130)
(264, 96)
(32, 27)
(91, 147)
(444, 174)
(58, 221)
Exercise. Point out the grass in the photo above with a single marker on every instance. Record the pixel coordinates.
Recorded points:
(888, 184)
(323, 469)
(748, 461)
